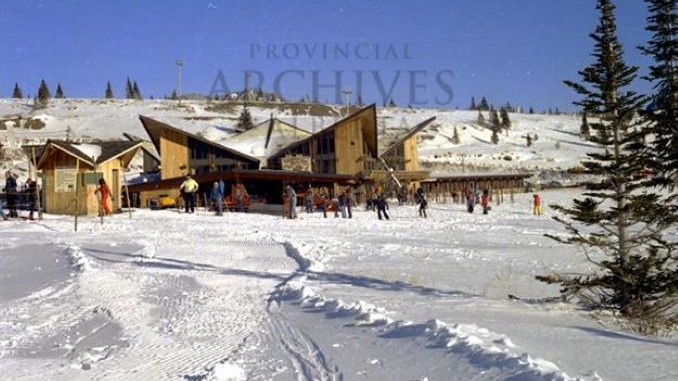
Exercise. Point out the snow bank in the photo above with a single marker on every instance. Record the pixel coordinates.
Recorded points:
(479, 345)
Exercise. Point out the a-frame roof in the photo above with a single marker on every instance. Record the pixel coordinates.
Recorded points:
(408, 135)
(147, 146)
(105, 151)
(154, 127)
(368, 113)
(267, 137)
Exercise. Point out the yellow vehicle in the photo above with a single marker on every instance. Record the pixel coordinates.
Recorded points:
(163, 202)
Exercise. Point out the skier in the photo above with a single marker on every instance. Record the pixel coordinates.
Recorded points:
(382, 206)
(104, 193)
(536, 204)
(188, 189)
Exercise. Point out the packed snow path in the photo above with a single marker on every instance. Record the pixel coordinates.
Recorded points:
(153, 307)
(169, 296)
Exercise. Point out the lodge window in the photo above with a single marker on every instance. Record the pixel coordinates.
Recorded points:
(325, 144)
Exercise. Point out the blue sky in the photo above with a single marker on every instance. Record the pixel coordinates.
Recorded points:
(430, 53)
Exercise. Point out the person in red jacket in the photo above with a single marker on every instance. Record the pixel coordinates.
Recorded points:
(485, 201)
(536, 204)
(104, 193)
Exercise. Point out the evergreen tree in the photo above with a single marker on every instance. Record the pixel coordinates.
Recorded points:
(129, 91)
(495, 123)
(174, 95)
(455, 136)
(505, 120)
(481, 118)
(585, 129)
(620, 223)
(392, 103)
(473, 103)
(530, 111)
(17, 93)
(495, 137)
(245, 120)
(109, 91)
(483, 104)
(662, 115)
(43, 93)
(136, 94)
(59, 92)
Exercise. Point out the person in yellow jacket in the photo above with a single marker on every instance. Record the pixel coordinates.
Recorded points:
(188, 190)
(536, 204)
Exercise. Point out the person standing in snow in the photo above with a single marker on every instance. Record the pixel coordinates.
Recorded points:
(336, 205)
(11, 193)
(485, 201)
(32, 193)
(382, 206)
(422, 205)
(323, 201)
(104, 193)
(2, 211)
(188, 189)
(470, 200)
(308, 198)
(348, 201)
(217, 199)
(536, 204)
(292, 195)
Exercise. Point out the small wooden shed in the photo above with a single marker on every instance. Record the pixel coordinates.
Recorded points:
(70, 172)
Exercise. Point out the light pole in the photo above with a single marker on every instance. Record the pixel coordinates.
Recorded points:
(180, 64)
(347, 93)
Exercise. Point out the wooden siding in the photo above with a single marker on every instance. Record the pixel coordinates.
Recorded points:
(411, 154)
(174, 153)
(349, 147)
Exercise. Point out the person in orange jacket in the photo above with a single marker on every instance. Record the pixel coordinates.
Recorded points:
(536, 204)
(104, 197)
(485, 201)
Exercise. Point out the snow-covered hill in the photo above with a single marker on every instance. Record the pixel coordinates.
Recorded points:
(557, 145)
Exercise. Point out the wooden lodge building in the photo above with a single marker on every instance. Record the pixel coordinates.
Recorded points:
(345, 153)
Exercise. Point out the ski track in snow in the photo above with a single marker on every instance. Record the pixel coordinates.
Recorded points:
(203, 302)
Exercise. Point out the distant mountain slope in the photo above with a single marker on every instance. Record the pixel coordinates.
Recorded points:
(557, 146)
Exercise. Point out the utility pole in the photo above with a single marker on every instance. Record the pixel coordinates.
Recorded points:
(180, 64)
(347, 93)
(245, 94)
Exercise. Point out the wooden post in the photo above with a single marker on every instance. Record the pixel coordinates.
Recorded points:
(38, 202)
(129, 202)
(77, 193)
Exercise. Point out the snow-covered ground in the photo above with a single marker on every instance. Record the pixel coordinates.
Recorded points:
(172, 296)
